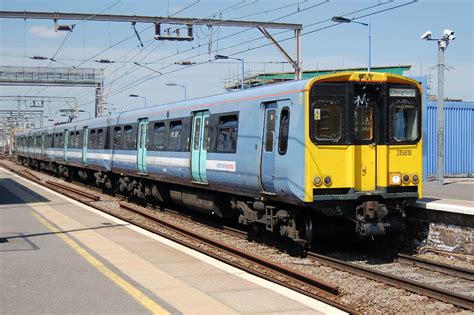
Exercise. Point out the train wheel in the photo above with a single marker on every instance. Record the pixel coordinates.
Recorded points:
(304, 226)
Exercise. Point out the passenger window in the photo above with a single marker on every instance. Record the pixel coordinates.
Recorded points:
(100, 139)
(72, 140)
(129, 141)
(270, 130)
(284, 130)
(92, 139)
(227, 134)
(117, 137)
(159, 136)
(175, 135)
(61, 140)
(78, 140)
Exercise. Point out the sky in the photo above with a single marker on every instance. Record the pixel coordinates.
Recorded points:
(396, 27)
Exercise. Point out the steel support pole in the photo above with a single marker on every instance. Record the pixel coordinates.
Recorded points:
(370, 47)
(243, 73)
(440, 112)
(298, 72)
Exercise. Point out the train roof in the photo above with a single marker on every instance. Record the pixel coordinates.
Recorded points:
(247, 94)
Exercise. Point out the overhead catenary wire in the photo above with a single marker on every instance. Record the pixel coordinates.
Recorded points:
(124, 88)
(238, 44)
(306, 33)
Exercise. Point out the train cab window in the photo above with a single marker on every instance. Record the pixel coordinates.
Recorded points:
(129, 140)
(327, 103)
(159, 136)
(117, 137)
(227, 134)
(327, 120)
(403, 120)
(284, 130)
(175, 135)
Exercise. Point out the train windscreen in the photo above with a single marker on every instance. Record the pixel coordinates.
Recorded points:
(404, 114)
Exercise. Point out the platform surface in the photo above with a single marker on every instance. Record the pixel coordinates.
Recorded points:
(454, 195)
(58, 256)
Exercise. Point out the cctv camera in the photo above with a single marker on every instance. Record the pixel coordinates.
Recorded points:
(452, 37)
(426, 35)
(448, 32)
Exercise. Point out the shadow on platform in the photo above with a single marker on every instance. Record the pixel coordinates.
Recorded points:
(10, 189)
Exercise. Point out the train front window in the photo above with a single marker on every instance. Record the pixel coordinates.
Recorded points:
(327, 103)
(404, 114)
(327, 117)
(404, 121)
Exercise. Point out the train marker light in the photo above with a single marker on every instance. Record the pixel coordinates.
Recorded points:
(406, 179)
(327, 180)
(317, 181)
(415, 179)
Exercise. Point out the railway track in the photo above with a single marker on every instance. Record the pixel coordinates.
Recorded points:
(465, 301)
(321, 291)
(305, 284)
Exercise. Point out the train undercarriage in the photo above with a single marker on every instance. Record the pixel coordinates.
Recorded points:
(366, 217)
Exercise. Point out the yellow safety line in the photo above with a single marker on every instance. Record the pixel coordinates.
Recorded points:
(144, 300)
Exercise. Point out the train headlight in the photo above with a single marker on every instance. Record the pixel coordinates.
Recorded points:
(317, 181)
(327, 180)
(415, 179)
(406, 179)
(395, 179)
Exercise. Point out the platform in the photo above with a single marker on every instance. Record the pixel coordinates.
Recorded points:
(455, 195)
(58, 256)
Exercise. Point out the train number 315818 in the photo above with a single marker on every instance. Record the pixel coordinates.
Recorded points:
(404, 152)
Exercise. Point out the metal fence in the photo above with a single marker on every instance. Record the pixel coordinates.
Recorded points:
(459, 138)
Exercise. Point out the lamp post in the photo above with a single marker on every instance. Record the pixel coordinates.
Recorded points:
(183, 86)
(217, 57)
(443, 43)
(340, 19)
(136, 95)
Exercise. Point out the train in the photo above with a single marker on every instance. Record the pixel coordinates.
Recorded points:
(279, 158)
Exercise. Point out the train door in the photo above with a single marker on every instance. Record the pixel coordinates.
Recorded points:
(142, 145)
(199, 141)
(366, 102)
(66, 142)
(267, 165)
(85, 141)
